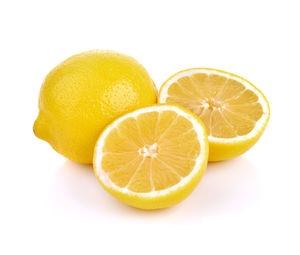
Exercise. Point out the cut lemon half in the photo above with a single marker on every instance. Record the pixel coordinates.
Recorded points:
(153, 157)
(233, 110)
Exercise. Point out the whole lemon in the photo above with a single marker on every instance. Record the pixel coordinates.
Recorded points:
(83, 94)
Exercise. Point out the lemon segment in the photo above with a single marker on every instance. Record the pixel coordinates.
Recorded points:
(153, 157)
(233, 110)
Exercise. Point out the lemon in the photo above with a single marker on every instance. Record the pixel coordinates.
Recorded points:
(83, 94)
(233, 110)
(153, 157)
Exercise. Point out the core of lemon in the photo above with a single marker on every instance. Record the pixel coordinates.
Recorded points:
(233, 110)
(83, 94)
(153, 157)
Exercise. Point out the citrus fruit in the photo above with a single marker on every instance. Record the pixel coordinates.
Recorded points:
(233, 110)
(152, 157)
(83, 94)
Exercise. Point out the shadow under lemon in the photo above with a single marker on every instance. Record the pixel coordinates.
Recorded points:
(75, 185)
(226, 186)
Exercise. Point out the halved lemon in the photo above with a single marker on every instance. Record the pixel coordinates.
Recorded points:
(233, 110)
(153, 157)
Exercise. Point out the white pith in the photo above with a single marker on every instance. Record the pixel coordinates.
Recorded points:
(200, 160)
(259, 124)
(149, 151)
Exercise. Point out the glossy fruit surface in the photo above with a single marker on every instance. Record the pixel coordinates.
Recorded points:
(83, 94)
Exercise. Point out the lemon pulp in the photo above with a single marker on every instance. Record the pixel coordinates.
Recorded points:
(151, 153)
(232, 109)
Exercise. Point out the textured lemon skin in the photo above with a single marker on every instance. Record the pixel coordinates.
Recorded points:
(170, 199)
(219, 151)
(83, 94)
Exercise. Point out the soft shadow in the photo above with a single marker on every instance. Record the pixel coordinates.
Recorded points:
(75, 187)
(226, 186)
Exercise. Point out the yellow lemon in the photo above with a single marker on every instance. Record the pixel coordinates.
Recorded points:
(83, 94)
(152, 157)
(233, 110)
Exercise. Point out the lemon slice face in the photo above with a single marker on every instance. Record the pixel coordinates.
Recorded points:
(233, 110)
(152, 157)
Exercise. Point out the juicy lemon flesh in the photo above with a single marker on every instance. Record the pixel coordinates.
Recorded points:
(148, 153)
(227, 108)
(86, 92)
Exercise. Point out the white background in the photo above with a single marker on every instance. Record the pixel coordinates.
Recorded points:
(249, 205)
